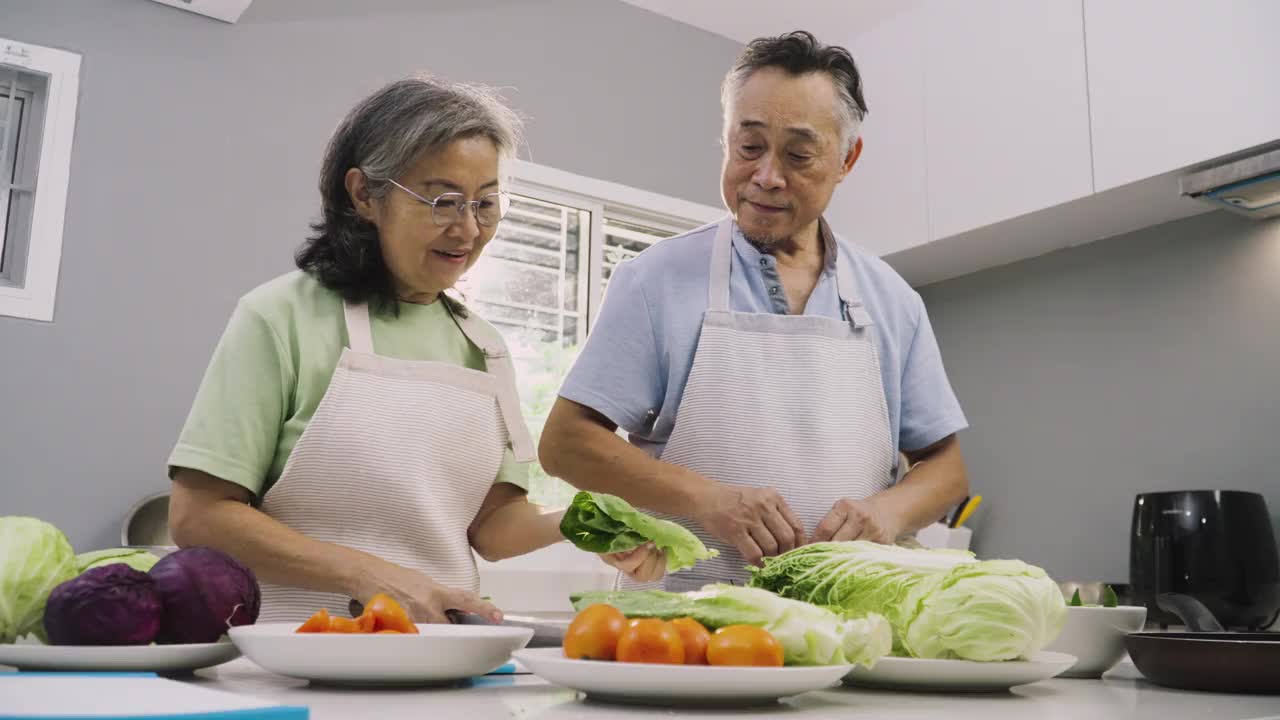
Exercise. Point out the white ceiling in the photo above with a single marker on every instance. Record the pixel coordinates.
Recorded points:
(833, 21)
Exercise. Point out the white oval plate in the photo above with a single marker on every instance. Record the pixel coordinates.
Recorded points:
(117, 658)
(682, 685)
(897, 673)
(441, 654)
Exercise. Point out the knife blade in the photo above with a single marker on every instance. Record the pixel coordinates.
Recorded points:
(546, 632)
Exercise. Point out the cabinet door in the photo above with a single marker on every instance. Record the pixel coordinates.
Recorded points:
(882, 205)
(1176, 82)
(1006, 110)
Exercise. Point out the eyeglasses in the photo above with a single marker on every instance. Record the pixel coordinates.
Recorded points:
(451, 207)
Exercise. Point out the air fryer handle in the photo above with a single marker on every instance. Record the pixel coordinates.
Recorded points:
(1194, 614)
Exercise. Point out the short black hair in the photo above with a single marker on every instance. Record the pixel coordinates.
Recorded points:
(800, 53)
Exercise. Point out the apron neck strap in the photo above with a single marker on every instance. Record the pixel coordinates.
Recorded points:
(359, 330)
(721, 262)
(850, 302)
(498, 362)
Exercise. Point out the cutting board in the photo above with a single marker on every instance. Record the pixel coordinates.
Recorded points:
(77, 696)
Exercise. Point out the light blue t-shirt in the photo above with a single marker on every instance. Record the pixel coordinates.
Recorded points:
(637, 359)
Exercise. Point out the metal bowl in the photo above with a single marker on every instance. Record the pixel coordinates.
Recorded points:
(147, 523)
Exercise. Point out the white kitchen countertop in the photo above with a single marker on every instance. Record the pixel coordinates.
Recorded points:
(1122, 694)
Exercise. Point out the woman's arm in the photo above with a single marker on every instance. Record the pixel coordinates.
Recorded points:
(508, 524)
(205, 510)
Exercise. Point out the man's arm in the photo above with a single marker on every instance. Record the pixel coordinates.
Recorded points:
(937, 481)
(581, 446)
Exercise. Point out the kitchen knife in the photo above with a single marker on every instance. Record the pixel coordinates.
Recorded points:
(546, 632)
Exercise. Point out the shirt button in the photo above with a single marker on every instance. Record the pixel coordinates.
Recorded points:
(764, 262)
(773, 290)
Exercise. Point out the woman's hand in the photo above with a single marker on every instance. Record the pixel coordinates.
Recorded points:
(642, 564)
(423, 598)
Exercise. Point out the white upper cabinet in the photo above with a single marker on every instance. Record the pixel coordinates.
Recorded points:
(1177, 82)
(883, 205)
(1006, 110)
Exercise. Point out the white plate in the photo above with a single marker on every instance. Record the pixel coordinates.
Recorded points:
(441, 654)
(701, 685)
(898, 673)
(169, 659)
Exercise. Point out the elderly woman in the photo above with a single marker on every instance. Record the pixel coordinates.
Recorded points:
(358, 431)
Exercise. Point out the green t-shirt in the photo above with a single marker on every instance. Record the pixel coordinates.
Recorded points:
(273, 365)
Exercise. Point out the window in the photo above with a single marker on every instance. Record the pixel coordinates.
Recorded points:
(38, 91)
(542, 278)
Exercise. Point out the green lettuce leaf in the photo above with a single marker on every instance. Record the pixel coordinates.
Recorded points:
(139, 560)
(940, 604)
(35, 557)
(601, 523)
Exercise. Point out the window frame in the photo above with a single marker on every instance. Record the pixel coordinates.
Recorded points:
(602, 198)
(535, 582)
(34, 297)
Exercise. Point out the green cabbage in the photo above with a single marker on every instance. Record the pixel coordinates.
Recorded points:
(941, 604)
(35, 557)
(139, 560)
(601, 523)
(809, 635)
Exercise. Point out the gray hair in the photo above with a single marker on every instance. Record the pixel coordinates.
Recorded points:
(800, 53)
(383, 136)
(397, 124)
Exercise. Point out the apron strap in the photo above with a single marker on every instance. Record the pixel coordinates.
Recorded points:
(497, 360)
(721, 263)
(722, 259)
(359, 330)
(850, 302)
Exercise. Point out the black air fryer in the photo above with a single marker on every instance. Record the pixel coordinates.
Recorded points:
(1214, 545)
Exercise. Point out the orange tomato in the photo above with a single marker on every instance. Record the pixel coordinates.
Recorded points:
(593, 634)
(317, 623)
(744, 645)
(389, 615)
(651, 641)
(695, 638)
(362, 624)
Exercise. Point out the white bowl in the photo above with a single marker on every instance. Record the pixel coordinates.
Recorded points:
(441, 654)
(1095, 635)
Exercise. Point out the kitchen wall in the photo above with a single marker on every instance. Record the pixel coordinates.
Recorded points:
(193, 179)
(1140, 363)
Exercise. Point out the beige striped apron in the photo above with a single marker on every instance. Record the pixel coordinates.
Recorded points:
(397, 460)
(791, 402)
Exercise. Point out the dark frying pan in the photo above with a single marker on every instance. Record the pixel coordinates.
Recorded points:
(1206, 657)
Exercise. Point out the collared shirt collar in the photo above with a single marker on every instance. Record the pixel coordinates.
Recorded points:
(752, 255)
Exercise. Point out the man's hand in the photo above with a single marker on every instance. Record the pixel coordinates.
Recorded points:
(856, 520)
(757, 521)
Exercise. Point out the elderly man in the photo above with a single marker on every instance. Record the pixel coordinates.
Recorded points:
(767, 371)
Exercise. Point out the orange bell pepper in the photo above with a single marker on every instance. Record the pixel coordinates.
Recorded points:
(389, 615)
(317, 623)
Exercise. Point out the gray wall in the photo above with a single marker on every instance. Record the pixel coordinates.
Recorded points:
(1145, 362)
(193, 177)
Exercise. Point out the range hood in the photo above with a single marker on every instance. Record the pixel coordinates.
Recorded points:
(1248, 185)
